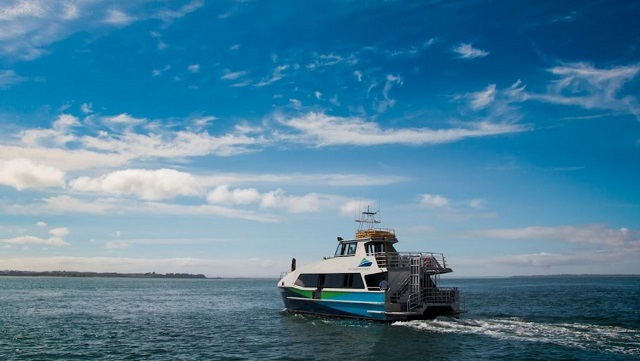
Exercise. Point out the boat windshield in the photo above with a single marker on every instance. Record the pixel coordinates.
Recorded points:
(346, 249)
(374, 247)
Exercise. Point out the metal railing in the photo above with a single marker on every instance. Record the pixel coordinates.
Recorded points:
(428, 260)
(434, 296)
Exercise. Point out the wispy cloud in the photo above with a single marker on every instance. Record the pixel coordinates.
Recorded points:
(591, 262)
(496, 105)
(571, 16)
(467, 51)
(388, 102)
(588, 234)
(65, 204)
(275, 76)
(328, 60)
(102, 141)
(118, 17)
(30, 26)
(582, 84)
(412, 50)
(233, 75)
(156, 35)
(483, 98)
(321, 130)
(9, 78)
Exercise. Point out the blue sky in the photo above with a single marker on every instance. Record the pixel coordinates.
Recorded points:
(227, 137)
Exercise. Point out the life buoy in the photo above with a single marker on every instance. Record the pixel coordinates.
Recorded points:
(426, 262)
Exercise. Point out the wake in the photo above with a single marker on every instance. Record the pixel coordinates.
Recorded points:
(583, 336)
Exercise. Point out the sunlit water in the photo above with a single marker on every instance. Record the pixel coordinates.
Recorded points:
(157, 319)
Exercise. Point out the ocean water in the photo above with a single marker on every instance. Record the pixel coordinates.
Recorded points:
(224, 319)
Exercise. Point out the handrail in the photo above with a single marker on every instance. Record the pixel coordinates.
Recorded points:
(429, 260)
(435, 296)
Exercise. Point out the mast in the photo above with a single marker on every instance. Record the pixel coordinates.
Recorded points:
(367, 229)
(367, 220)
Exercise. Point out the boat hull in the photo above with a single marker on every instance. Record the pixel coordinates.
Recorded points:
(362, 305)
(372, 306)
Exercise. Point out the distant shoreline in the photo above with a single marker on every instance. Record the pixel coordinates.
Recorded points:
(13, 273)
(585, 275)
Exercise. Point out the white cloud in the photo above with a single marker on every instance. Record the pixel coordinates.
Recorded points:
(584, 85)
(41, 224)
(296, 103)
(354, 208)
(23, 173)
(22, 9)
(276, 199)
(430, 200)
(123, 119)
(206, 210)
(59, 232)
(588, 234)
(111, 245)
(222, 195)
(194, 68)
(294, 204)
(72, 145)
(467, 51)
(68, 204)
(86, 108)
(325, 130)
(358, 75)
(118, 17)
(64, 159)
(334, 180)
(56, 239)
(147, 184)
(476, 203)
(58, 135)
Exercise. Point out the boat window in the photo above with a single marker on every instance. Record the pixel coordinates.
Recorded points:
(307, 280)
(373, 280)
(343, 280)
(346, 249)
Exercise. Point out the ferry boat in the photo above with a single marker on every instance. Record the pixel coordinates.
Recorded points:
(368, 279)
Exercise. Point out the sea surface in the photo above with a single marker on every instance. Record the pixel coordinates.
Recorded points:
(558, 318)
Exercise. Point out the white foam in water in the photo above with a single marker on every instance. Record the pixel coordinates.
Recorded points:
(583, 336)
